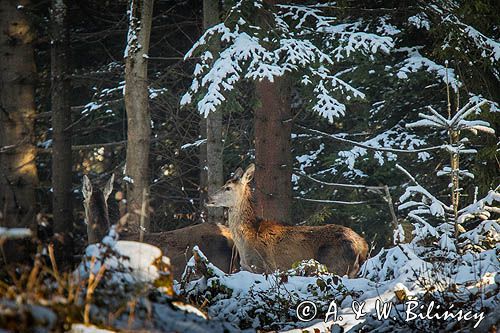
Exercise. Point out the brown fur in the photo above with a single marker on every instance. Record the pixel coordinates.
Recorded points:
(96, 209)
(265, 246)
(214, 240)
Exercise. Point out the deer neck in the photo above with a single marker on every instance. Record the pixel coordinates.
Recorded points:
(245, 227)
(241, 218)
(96, 211)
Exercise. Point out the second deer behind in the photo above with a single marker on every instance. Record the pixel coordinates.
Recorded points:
(213, 239)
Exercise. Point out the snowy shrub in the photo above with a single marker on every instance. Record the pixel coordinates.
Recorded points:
(135, 292)
(309, 267)
(268, 302)
(449, 263)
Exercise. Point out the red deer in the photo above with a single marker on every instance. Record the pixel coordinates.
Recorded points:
(213, 240)
(265, 246)
(95, 202)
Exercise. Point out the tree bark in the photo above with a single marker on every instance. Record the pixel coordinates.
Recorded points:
(18, 173)
(202, 155)
(273, 155)
(214, 146)
(61, 120)
(137, 106)
(273, 151)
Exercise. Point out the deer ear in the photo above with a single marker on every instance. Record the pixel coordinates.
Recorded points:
(86, 188)
(248, 175)
(109, 187)
(237, 174)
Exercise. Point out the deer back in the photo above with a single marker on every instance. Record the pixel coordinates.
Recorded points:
(214, 240)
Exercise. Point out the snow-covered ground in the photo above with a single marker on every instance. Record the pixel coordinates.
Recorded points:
(394, 277)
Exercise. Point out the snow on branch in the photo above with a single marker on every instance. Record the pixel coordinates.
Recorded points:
(457, 122)
(447, 171)
(468, 38)
(302, 16)
(395, 136)
(341, 185)
(350, 42)
(476, 99)
(337, 202)
(384, 142)
(380, 144)
(343, 39)
(367, 145)
(249, 52)
(429, 204)
(133, 44)
(490, 48)
(420, 21)
(416, 62)
(482, 208)
(14, 233)
(426, 204)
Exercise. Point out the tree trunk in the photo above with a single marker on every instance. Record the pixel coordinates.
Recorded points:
(61, 120)
(137, 106)
(214, 146)
(215, 170)
(273, 155)
(18, 173)
(202, 154)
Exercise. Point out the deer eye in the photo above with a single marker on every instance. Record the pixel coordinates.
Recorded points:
(228, 188)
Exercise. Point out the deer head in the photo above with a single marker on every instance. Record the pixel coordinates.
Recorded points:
(96, 209)
(234, 191)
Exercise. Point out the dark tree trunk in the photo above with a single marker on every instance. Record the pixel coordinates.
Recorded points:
(273, 156)
(202, 155)
(61, 120)
(18, 173)
(214, 146)
(138, 115)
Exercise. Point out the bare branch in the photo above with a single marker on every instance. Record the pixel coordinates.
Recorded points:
(407, 174)
(333, 201)
(362, 145)
(354, 186)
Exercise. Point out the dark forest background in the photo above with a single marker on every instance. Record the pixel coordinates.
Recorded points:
(94, 81)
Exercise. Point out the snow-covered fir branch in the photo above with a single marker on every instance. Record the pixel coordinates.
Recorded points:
(455, 123)
(14, 233)
(416, 62)
(250, 52)
(428, 204)
(371, 145)
(464, 37)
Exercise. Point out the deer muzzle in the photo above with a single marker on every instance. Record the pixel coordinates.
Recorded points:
(210, 202)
